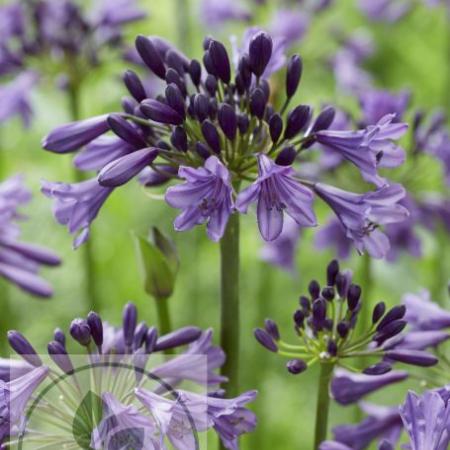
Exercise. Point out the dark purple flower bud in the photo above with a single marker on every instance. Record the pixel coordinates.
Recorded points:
(260, 52)
(96, 326)
(123, 169)
(80, 331)
(343, 328)
(175, 99)
(332, 348)
(172, 77)
(59, 336)
(342, 284)
(150, 56)
(202, 150)
(207, 62)
(195, 71)
(391, 329)
(220, 60)
(304, 303)
(332, 272)
(151, 178)
(201, 107)
(174, 61)
(395, 313)
(297, 119)
(22, 347)
(266, 340)
(328, 293)
(265, 87)
(328, 324)
(211, 85)
(211, 136)
(245, 72)
(275, 127)
(413, 357)
(385, 445)
(257, 103)
(151, 339)
(179, 139)
(299, 318)
(60, 357)
(324, 119)
(287, 156)
(227, 120)
(126, 131)
(159, 112)
(206, 42)
(182, 336)
(293, 75)
(272, 328)
(270, 111)
(134, 85)
(129, 321)
(378, 369)
(353, 296)
(296, 366)
(378, 312)
(129, 105)
(243, 123)
(140, 335)
(319, 310)
(213, 108)
(314, 289)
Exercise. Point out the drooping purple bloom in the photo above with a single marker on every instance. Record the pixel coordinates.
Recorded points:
(290, 25)
(281, 252)
(206, 196)
(418, 340)
(217, 12)
(376, 104)
(77, 205)
(348, 388)
(277, 190)
(15, 98)
(14, 396)
(423, 314)
(333, 235)
(426, 420)
(19, 261)
(382, 423)
(361, 214)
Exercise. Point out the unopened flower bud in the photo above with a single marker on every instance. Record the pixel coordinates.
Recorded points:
(260, 52)
(293, 75)
(80, 331)
(296, 366)
(21, 346)
(265, 339)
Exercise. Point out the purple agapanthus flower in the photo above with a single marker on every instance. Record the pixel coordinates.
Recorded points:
(423, 314)
(77, 205)
(385, 10)
(205, 197)
(217, 12)
(20, 262)
(10, 369)
(348, 387)
(426, 420)
(277, 190)
(290, 25)
(360, 215)
(382, 423)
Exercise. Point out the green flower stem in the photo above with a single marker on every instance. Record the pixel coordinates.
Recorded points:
(230, 325)
(441, 278)
(92, 298)
(366, 277)
(323, 403)
(162, 310)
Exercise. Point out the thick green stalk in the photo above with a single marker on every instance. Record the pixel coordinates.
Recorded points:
(229, 287)
(366, 282)
(162, 310)
(323, 404)
(441, 278)
(92, 298)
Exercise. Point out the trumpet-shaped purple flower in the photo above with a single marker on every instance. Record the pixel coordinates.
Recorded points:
(362, 214)
(382, 423)
(427, 421)
(348, 388)
(77, 205)
(10, 369)
(376, 104)
(14, 397)
(206, 196)
(277, 190)
(423, 314)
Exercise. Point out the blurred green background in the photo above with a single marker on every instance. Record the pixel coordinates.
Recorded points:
(412, 53)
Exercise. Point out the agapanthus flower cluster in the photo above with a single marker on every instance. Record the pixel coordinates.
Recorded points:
(427, 198)
(20, 262)
(145, 415)
(327, 329)
(218, 132)
(56, 38)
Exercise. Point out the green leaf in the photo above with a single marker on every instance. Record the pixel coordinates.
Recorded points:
(156, 270)
(167, 247)
(87, 417)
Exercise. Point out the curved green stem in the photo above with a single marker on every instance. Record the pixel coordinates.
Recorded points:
(92, 298)
(323, 404)
(162, 310)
